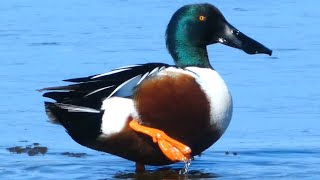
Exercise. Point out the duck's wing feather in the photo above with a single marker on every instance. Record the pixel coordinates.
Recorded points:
(92, 90)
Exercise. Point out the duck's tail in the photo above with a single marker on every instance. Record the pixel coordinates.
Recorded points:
(82, 124)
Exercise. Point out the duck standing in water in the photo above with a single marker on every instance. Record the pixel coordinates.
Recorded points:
(155, 113)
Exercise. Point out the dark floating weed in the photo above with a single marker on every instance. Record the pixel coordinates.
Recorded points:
(77, 155)
(233, 153)
(31, 150)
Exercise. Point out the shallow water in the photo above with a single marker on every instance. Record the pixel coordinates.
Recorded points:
(275, 128)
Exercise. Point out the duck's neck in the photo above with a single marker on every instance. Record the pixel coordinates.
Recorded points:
(186, 54)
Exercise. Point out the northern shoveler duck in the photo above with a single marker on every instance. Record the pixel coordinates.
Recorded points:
(155, 113)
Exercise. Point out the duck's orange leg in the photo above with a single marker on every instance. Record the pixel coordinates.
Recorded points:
(172, 149)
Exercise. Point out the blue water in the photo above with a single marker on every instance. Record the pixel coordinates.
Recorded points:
(275, 129)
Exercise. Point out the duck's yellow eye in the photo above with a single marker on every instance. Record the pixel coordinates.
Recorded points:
(202, 18)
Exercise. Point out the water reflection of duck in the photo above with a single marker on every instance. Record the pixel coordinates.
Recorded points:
(154, 113)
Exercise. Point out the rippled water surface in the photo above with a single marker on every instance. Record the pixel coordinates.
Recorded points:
(275, 129)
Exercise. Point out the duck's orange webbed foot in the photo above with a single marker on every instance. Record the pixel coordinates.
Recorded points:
(172, 149)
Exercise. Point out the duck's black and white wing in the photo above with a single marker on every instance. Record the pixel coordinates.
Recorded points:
(91, 91)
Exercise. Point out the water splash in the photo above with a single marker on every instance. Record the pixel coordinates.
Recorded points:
(184, 170)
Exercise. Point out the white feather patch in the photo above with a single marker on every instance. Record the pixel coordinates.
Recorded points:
(143, 77)
(128, 67)
(126, 89)
(74, 108)
(117, 70)
(108, 73)
(98, 90)
(218, 95)
(117, 110)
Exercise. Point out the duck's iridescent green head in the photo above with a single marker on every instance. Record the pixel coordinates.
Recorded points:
(195, 26)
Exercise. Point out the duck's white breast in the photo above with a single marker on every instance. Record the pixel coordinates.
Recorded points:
(218, 95)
